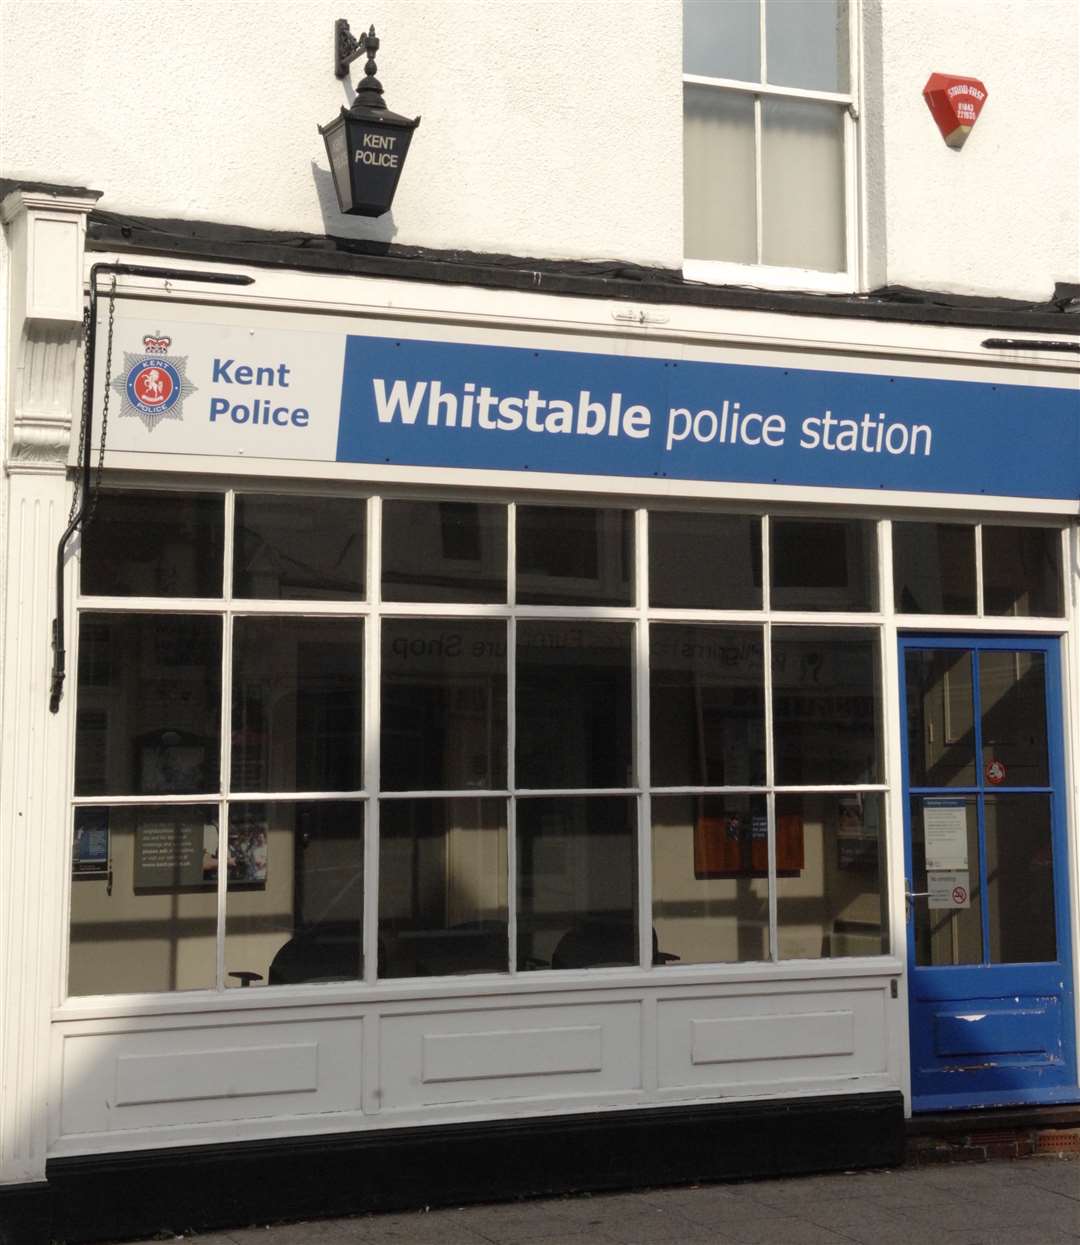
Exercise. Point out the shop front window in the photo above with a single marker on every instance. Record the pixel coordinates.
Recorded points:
(331, 739)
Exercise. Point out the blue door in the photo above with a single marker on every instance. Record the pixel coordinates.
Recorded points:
(991, 1002)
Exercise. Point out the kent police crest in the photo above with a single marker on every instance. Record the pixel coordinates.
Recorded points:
(153, 384)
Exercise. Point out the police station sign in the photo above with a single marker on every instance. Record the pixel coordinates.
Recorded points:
(263, 386)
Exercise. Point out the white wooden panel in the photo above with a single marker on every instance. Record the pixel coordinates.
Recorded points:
(775, 1037)
(55, 257)
(286, 1069)
(740, 1039)
(510, 1052)
(184, 1074)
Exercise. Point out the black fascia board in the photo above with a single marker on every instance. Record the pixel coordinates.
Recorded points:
(612, 280)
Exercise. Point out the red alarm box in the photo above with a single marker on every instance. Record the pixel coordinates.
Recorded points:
(955, 104)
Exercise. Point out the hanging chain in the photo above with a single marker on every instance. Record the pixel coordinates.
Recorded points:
(87, 330)
(104, 406)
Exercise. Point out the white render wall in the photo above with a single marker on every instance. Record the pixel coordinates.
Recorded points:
(550, 127)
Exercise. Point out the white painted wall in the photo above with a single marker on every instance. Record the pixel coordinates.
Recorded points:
(550, 128)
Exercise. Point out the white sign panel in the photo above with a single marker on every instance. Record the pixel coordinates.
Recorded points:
(949, 888)
(945, 833)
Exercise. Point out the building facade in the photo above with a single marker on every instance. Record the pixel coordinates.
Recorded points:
(613, 615)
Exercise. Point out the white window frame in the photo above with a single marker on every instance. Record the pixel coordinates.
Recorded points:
(849, 279)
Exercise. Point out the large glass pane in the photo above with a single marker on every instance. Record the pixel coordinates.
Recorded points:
(719, 175)
(704, 561)
(830, 866)
(934, 568)
(442, 888)
(806, 44)
(722, 39)
(823, 564)
(947, 831)
(826, 706)
(1012, 688)
(144, 899)
(290, 548)
(443, 551)
(295, 903)
(1020, 879)
(707, 706)
(154, 544)
(710, 862)
(802, 173)
(577, 882)
(149, 697)
(940, 717)
(1022, 571)
(574, 556)
(443, 704)
(574, 704)
(297, 704)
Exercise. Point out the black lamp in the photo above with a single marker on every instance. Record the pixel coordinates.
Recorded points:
(367, 143)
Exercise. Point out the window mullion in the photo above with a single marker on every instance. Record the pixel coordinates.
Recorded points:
(643, 739)
(225, 765)
(759, 181)
(371, 776)
(511, 739)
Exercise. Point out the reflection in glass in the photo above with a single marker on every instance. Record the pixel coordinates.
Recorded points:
(704, 561)
(443, 551)
(291, 548)
(1022, 571)
(143, 899)
(722, 40)
(946, 935)
(574, 556)
(830, 863)
(297, 704)
(719, 175)
(294, 906)
(577, 882)
(149, 697)
(807, 44)
(940, 717)
(802, 175)
(442, 887)
(574, 699)
(443, 704)
(826, 706)
(934, 568)
(1012, 691)
(707, 706)
(710, 877)
(172, 544)
(1020, 879)
(823, 564)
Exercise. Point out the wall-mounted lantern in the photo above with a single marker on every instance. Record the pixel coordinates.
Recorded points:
(367, 143)
(955, 104)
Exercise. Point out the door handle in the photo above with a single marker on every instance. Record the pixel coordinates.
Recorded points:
(909, 895)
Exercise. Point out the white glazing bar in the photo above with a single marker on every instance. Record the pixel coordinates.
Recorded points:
(225, 770)
(642, 759)
(980, 605)
(891, 860)
(764, 88)
(511, 739)
(153, 605)
(572, 791)
(770, 779)
(759, 181)
(372, 652)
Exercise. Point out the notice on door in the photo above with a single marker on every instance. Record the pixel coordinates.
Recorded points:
(945, 833)
(949, 888)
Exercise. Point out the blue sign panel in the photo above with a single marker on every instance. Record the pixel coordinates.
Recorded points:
(442, 404)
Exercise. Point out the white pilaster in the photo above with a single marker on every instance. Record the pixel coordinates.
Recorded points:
(45, 235)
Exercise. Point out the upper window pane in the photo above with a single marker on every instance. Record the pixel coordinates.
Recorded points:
(147, 544)
(1022, 571)
(149, 705)
(443, 551)
(934, 568)
(824, 564)
(309, 548)
(443, 704)
(722, 39)
(806, 43)
(297, 704)
(574, 556)
(704, 561)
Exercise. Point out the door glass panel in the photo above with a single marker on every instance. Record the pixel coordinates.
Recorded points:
(945, 936)
(1020, 879)
(1012, 686)
(941, 717)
